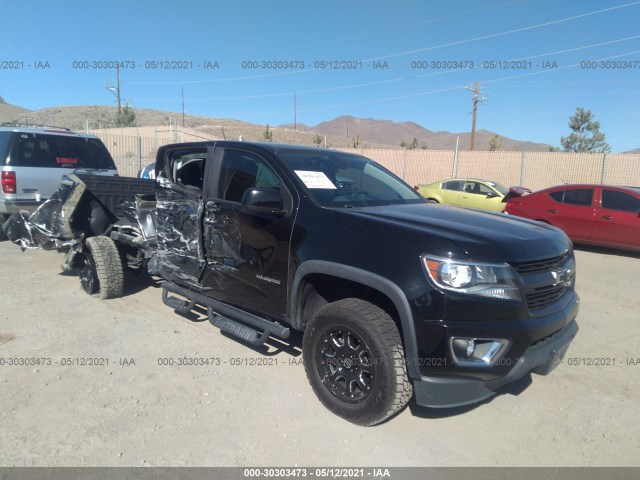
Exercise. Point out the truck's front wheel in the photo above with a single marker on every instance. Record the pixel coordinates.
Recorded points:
(355, 361)
(101, 268)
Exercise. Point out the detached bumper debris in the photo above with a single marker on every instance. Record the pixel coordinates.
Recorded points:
(46, 228)
(87, 206)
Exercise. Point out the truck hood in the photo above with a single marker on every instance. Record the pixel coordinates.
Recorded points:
(481, 235)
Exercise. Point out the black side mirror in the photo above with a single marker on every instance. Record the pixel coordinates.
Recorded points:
(263, 200)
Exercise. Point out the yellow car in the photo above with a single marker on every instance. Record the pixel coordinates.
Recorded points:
(469, 192)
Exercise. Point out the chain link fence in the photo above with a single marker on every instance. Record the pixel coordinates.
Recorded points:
(135, 147)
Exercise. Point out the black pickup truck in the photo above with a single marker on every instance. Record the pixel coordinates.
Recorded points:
(395, 295)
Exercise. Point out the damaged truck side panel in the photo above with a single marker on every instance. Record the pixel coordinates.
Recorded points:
(395, 296)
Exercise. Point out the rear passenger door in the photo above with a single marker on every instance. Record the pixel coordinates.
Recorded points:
(450, 191)
(617, 219)
(573, 211)
(179, 207)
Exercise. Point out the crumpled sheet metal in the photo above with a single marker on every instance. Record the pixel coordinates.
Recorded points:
(179, 251)
(44, 228)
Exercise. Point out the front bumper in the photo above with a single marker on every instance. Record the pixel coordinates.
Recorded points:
(541, 358)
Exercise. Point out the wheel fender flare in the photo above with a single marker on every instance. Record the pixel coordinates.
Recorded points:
(369, 279)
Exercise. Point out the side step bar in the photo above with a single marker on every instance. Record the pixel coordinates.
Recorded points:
(233, 321)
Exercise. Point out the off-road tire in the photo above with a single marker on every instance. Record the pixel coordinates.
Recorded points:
(108, 266)
(370, 329)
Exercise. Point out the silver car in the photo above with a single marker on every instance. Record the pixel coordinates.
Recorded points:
(33, 160)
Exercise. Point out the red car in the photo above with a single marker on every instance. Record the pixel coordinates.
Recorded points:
(591, 214)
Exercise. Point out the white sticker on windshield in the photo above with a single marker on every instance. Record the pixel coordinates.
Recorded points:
(315, 179)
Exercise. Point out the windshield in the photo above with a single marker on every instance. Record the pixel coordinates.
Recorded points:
(501, 188)
(41, 150)
(335, 179)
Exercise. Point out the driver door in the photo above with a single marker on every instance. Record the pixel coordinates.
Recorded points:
(247, 248)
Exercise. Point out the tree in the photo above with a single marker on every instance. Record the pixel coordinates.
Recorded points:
(356, 141)
(2, 100)
(586, 135)
(126, 117)
(403, 144)
(413, 145)
(317, 140)
(495, 143)
(267, 134)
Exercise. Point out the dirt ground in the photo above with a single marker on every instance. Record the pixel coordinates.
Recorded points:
(131, 411)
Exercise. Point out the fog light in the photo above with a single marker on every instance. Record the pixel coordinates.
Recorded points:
(477, 352)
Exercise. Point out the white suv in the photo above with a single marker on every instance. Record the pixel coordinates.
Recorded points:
(33, 160)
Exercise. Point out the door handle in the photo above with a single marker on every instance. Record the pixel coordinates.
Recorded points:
(606, 217)
(552, 210)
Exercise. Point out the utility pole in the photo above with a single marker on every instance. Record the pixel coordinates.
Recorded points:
(116, 90)
(182, 106)
(476, 99)
(118, 87)
(295, 111)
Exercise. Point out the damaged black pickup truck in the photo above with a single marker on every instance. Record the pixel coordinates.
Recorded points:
(395, 296)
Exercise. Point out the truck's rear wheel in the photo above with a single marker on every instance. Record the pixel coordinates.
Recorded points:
(101, 268)
(355, 361)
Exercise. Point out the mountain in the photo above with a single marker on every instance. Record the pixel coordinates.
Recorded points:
(393, 133)
(93, 117)
(339, 132)
(636, 150)
(12, 113)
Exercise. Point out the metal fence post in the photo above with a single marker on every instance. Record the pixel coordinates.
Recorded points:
(522, 169)
(139, 145)
(604, 168)
(404, 164)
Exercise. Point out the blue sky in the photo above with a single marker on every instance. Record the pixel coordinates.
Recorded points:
(536, 60)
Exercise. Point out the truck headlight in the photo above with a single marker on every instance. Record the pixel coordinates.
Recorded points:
(483, 279)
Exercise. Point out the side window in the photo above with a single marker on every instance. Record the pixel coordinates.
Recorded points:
(472, 187)
(578, 196)
(244, 170)
(452, 185)
(187, 168)
(615, 200)
(558, 196)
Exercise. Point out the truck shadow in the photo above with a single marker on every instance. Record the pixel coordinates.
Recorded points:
(135, 282)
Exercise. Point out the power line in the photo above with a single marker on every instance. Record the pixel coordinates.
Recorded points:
(459, 42)
(381, 82)
(432, 92)
(500, 34)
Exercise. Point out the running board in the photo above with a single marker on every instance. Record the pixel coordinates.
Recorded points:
(231, 320)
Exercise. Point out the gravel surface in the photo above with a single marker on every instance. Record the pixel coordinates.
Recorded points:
(252, 407)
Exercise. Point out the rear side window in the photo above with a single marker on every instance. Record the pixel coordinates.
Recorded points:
(5, 140)
(577, 196)
(53, 151)
(452, 185)
(615, 200)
